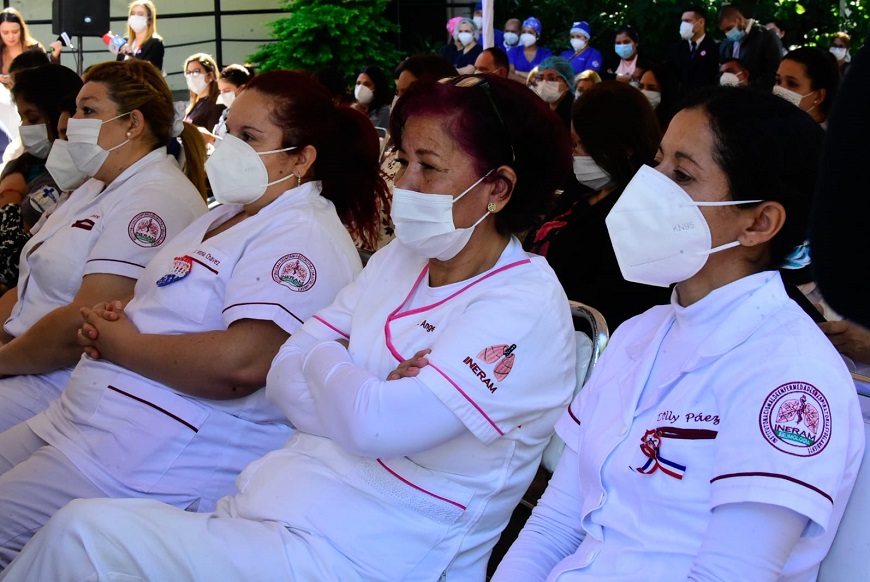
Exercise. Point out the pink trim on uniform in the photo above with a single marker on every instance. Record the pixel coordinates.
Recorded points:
(467, 397)
(330, 326)
(418, 488)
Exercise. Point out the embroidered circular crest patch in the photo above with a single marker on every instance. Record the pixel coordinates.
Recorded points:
(147, 230)
(295, 272)
(796, 419)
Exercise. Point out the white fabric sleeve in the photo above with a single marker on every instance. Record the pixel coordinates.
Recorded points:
(371, 417)
(552, 532)
(747, 541)
(286, 387)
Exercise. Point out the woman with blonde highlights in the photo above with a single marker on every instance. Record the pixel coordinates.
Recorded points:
(96, 245)
(201, 73)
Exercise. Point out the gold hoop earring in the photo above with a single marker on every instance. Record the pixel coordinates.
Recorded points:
(298, 180)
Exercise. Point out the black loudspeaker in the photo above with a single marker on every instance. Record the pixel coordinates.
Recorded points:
(80, 17)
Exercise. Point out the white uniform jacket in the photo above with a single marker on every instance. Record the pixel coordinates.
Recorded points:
(502, 360)
(760, 409)
(132, 435)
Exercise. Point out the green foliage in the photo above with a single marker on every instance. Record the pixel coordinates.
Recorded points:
(657, 21)
(345, 35)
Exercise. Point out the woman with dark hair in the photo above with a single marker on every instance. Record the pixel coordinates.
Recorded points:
(809, 78)
(27, 188)
(170, 404)
(430, 67)
(15, 38)
(373, 95)
(841, 44)
(720, 436)
(405, 473)
(143, 42)
(201, 74)
(95, 246)
(615, 132)
(660, 86)
(625, 64)
(232, 79)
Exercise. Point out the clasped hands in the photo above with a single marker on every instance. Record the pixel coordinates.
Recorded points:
(104, 330)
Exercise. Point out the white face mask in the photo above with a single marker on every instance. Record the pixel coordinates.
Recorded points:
(34, 138)
(589, 173)
(226, 99)
(236, 173)
(197, 83)
(528, 39)
(654, 97)
(424, 222)
(363, 94)
(137, 23)
(659, 234)
(83, 135)
(578, 44)
(839, 52)
(511, 38)
(791, 96)
(466, 38)
(62, 168)
(729, 80)
(478, 22)
(687, 30)
(549, 91)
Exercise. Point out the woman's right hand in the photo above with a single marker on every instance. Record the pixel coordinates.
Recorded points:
(410, 367)
(89, 334)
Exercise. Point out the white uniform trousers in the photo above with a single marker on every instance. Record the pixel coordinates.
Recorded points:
(141, 539)
(22, 397)
(25, 460)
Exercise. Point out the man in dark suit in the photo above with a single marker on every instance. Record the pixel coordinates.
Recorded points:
(757, 47)
(695, 58)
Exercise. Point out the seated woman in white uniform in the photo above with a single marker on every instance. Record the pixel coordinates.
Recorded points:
(96, 245)
(406, 479)
(719, 437)
(170, 404)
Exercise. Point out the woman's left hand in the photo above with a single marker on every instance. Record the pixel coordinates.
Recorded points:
(410, 367)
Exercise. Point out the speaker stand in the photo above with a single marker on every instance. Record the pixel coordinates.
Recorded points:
(79, 50)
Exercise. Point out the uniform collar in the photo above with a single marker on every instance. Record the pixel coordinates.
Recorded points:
(152, 157)
(723, 319)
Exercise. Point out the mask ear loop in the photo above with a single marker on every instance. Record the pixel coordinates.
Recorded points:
(730, 245)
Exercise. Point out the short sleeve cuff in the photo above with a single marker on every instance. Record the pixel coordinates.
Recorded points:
(114, 267)
(774, 489)
(280, 315)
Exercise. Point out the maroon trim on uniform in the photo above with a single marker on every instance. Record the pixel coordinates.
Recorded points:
(228, 307)
(775, 476)
(117, 261)
(85, 224)
(418, 488)
(198, 262)
(155, 407)
(692, 434)
(571, 414)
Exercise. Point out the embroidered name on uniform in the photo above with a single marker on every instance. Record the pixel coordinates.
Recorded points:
(427, 326)
(208, 257)
(295, 272)
(147, 230)
(796, 419)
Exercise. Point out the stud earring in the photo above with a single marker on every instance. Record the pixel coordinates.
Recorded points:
(492, 207)
(129, 134)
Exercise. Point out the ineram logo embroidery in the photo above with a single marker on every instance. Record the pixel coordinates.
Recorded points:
(796, 419)
(501, 355)
(147, 230)
(295, 272)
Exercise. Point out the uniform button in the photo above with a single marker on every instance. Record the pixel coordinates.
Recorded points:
(589, 557)
(623, 430)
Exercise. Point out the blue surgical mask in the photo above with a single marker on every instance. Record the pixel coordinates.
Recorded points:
(624, 50)
(735, 34)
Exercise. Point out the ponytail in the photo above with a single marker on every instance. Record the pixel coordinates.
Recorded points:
(194, 157)
(352, 180)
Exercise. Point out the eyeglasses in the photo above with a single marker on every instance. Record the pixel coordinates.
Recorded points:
(466, 81)
(195, 73)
